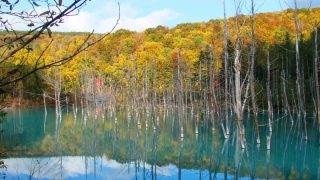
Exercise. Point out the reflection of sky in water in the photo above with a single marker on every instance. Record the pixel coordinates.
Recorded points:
(28, 135)
(75, 168)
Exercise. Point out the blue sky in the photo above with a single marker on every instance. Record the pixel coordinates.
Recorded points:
(137, 15)
(141, 14)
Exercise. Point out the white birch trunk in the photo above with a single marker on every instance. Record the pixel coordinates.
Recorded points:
(269, 94)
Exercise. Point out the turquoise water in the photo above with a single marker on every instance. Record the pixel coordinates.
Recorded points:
(104, 147)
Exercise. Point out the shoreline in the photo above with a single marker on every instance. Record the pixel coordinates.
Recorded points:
(17, 103)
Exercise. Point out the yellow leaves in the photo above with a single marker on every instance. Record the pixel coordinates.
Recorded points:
(108, 69)
(60, 53)
(152, 47)
(183, 43)
(177, 31)
(218, 50)
(194, 33)
(168, 39)
(302, 16)
(77, 42)
(191, 56)
(115, 55)
(217, 66)
(128, 42)
(29, 58)
(208, 36)
(20, 57)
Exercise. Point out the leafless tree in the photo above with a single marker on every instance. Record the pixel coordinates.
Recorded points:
(299, 80)
(226, 82)
(240, 87)
(316, 70)
(39, 23)
(252, 82)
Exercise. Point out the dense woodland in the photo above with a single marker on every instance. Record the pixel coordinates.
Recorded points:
(125, 58)
(243, 63)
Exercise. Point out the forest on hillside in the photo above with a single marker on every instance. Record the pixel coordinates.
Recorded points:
(127, 59)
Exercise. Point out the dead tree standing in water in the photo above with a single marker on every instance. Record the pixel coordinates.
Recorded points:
(213, 97)
(226, 78)
(269, 94)
(237, 105)
(180, 95)
(299, 82)
(252, 88)
(316, 71)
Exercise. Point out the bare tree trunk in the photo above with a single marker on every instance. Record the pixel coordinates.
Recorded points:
(237, 79)
(316, 71)
(45, 112)
(20, 94)
(270, 108)
(180, 96)
(207, 93)
(226, 78)
(146, 90)
(67, 104)
(200, 83)
(200, 106)
(56, 99)
(59, 96)
(86, 86)
(94, 85)
(269, 142)
(299, 82)
(44, 104)
(75, 105)
(237, 106)
(154, 93)
(213, 91)
(190, 90)
(285, 97)
(252, 88)
(136, 93)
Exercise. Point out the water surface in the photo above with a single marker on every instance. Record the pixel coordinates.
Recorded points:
(101, 146)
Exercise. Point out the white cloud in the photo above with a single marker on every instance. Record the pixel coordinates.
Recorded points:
(81, 22)
(102, 20)
(75, 166)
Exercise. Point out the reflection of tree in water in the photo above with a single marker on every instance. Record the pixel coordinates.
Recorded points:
(144, 150)
(37, 167)
(126, 142)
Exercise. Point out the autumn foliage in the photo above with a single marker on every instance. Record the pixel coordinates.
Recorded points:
(125, 53)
